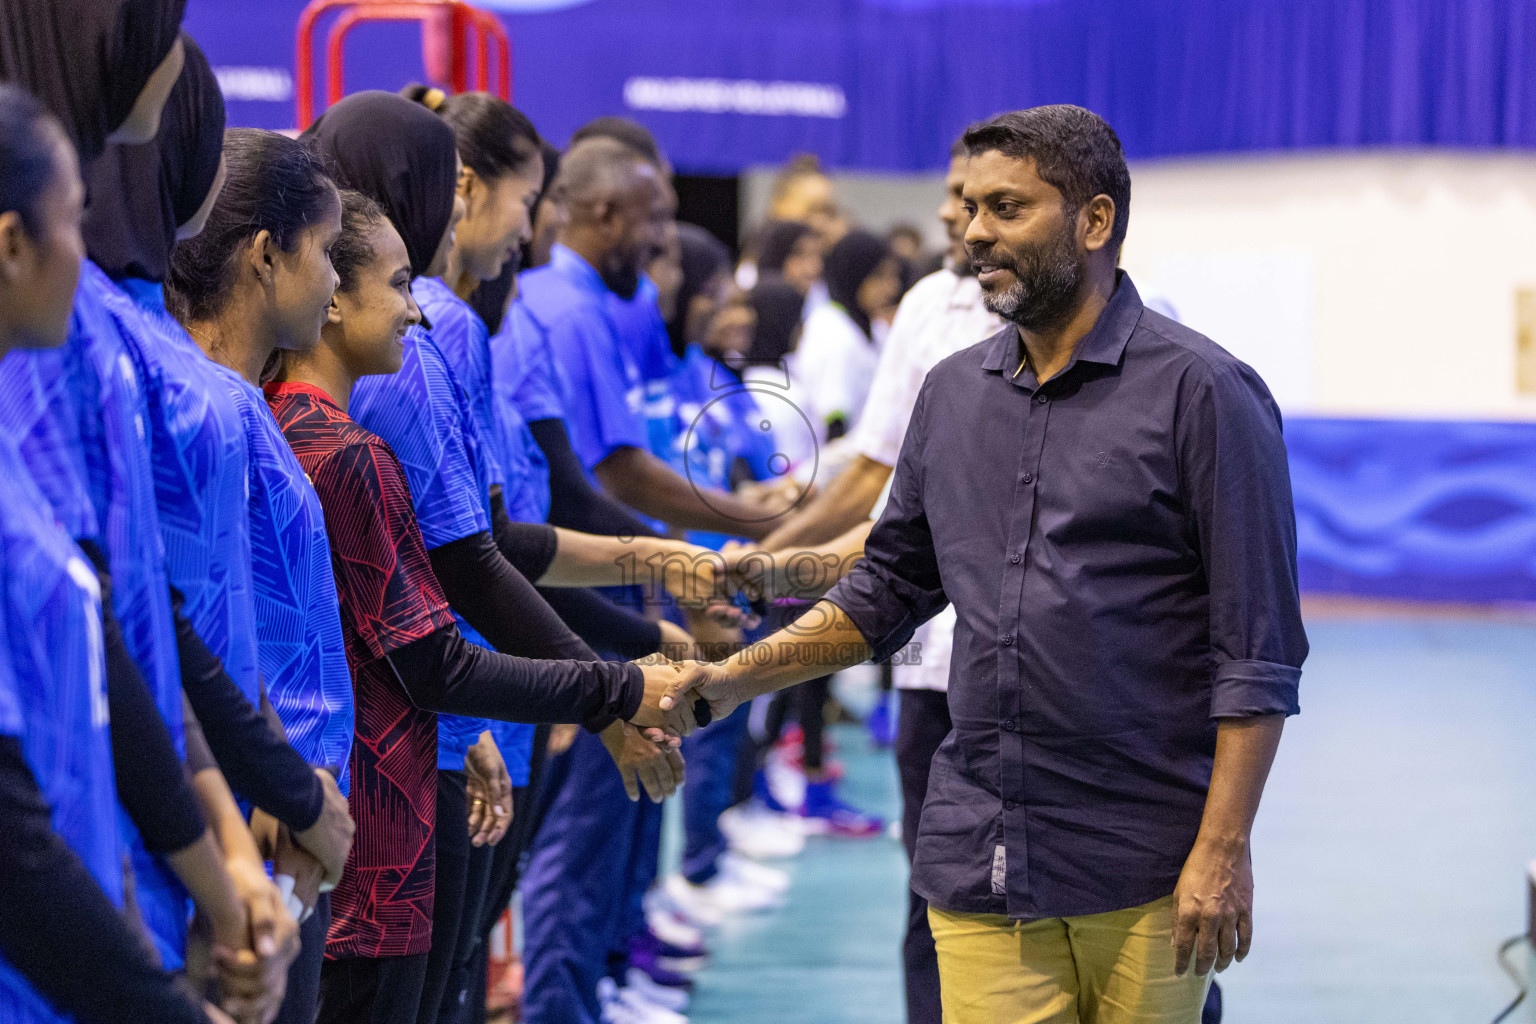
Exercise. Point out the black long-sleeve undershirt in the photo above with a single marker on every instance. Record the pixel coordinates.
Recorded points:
(444, 672)
(530, 548)
(257, 761)
(59, 929)
(573, 502)
(152, 784)
(604, 624)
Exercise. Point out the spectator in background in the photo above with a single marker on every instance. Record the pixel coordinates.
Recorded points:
(803, 192)
(906, 243)
(789, 250)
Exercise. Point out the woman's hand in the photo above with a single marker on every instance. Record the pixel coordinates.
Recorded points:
(489, 790)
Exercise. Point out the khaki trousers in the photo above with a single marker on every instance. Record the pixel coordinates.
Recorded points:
(1114, 968)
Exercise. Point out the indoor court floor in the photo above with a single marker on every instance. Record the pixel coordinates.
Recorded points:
(1389, 854)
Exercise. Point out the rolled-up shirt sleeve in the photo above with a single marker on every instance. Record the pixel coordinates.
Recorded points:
(896, 587)
(1233, 465)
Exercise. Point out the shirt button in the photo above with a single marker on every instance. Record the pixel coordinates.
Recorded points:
(1007, 725)
(1029, 478)
(1009, 805)
(1041, 399)
(1008, 640)
(1014, 558)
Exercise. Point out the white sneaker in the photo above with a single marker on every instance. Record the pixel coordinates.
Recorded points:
(722, 895)
(647, 1011)
(668, 920)
(753, 873)
(644, 986)
(756, 832)
(668, 925)
(623, 1006)
(693, 902)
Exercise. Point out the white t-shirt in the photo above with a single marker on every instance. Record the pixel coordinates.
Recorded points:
(830, 369)
(941, 315)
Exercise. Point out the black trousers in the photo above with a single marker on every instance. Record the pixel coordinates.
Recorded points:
(372, 990)
(448, 901)
(301, 1002)
(924, 724)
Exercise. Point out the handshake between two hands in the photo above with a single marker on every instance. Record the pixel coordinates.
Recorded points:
(681, 696)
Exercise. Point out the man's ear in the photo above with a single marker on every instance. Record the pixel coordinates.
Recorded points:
(1097, 222)
(15, 244)
(333, 312)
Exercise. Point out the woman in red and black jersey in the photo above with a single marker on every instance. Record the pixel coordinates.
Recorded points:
(407, 657)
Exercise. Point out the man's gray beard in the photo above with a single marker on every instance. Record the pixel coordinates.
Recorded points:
(1048, 295)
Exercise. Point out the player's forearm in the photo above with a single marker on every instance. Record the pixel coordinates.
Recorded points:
(845, 502)
(821, 641)
(590, 560)
(644, 482)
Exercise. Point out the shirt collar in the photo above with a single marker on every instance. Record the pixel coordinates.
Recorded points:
(569, 263)
(1104, 343)
(280, 389)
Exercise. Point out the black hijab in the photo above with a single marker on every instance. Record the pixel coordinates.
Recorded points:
(779, 240)
(140, 195)
(849, 263)
(779, 308)
(400, 155)
(86, 60)
(703, 258)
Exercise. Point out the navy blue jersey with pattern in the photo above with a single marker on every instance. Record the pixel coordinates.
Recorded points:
(53, 694)
(302, 653)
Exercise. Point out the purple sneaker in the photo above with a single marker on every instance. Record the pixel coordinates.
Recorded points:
(824, 812)
(665, 963)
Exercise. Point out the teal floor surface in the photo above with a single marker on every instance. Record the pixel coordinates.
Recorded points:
(1389, 853)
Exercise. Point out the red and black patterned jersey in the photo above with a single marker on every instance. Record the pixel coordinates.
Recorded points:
(389, 598)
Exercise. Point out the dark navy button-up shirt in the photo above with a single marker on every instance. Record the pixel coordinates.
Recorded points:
(1120, 547)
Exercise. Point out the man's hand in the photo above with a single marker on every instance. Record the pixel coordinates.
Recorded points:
(329, 839)
(661, 679)
(1213, 906)
(254, 977)
(561, 737)
(489, 789)
(710, 683)
(650, 760)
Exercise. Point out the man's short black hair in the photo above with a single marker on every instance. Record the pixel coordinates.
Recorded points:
(1074, 150)
(621, 129)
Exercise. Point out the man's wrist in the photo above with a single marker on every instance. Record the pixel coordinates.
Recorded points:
(1224, 842)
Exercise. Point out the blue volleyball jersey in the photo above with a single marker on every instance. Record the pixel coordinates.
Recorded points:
(109, 402)
(523, 367)
(465, 343)
(200, 477)
(424, 414)
(53, 694)
(515, 461)
(302, 654)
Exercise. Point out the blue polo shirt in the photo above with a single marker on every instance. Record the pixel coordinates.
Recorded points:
(643, 334)
(465, 343)
(526, 386)
(602, 391)
(302, 654)
(53, 694)
(423, 413)
(198, 445)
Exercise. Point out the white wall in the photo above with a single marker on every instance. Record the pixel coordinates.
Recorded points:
(1364, 284)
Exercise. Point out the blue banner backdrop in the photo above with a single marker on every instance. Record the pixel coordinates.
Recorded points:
(887, 84)
(1424, 510)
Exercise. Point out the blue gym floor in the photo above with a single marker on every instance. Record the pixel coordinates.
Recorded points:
(1389, 853)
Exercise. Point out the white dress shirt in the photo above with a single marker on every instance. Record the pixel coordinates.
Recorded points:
(939, 316)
